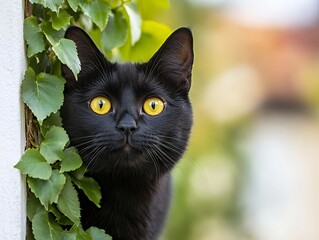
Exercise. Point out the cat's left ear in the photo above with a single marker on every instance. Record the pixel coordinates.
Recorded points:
(174, 60)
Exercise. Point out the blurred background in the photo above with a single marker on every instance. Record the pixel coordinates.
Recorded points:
(252, 168)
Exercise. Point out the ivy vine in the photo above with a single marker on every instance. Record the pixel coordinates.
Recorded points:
(53, 169)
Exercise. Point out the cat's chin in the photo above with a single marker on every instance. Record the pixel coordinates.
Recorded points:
(127, 153)
(127, 148)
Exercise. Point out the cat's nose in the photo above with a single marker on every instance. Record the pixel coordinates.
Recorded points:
(127, 129)
(127, 125)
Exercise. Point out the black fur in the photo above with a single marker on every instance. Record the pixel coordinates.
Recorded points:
(129, 153)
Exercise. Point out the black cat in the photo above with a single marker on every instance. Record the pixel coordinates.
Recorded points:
(131, 124)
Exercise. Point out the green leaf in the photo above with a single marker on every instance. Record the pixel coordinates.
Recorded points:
(33, 206)
(89, 186)
(71, 160)
(53, 144)
(53, 120)
(53, 209)
(69, 203)
(135, 21)
(44, 228)
(60, 218)
(69, 236)
(65, 49)
(98, 11)
(79, 173)
(52, 35)
(91, 189)
(60, 20)
(54, 5)
(43, 94)
(34, 165)
(98, 234)
(47, 191)
(33, 36)
(74, 4)
(78, 232)
(116, 31)
(65, 221)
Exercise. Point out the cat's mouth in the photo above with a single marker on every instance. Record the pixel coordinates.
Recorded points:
(127, 147)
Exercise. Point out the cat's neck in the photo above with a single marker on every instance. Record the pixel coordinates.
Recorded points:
(128, 206)
(129, 185)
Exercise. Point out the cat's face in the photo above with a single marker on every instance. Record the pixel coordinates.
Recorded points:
(124, 117)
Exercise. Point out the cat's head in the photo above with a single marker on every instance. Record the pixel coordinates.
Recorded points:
(130, 118)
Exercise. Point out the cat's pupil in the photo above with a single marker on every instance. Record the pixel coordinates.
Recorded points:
(101, 103)
(153, 105)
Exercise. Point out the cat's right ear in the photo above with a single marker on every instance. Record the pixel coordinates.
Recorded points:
(91, 58)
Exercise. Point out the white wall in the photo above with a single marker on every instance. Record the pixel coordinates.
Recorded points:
(12, 66)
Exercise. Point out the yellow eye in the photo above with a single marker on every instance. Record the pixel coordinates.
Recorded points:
(153, 106)
(100, 105)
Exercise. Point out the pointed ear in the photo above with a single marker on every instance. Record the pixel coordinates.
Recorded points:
(92, 60)
(174, 60)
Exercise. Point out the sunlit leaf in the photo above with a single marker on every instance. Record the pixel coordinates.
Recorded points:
(44, 228)
(47, 191)
(135, 21)
(74, 4)
(69, 203)
(52, 35)
(71, 160)
(33, 36)
(34, 164)
(116, 32)
(53, 144)
(54, 5)
(98, 11)
(60, 20)
(65, 49)
(43, 94)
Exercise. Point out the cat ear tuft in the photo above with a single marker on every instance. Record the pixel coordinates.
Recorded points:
(90, 56)
(174, 60)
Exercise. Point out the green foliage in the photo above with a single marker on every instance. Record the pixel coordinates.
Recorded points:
(88, 185)
(60, 20)
(33, 36)
(97, 234)
(115, 33)
(54, 169)
(53, 144)
(135, 22)
(43, 228)
(34, 164)
(47, 191)
(98, 11)
(65, 50)
(53, 5)
(43, 93)
(71, 160)
(68, 202)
